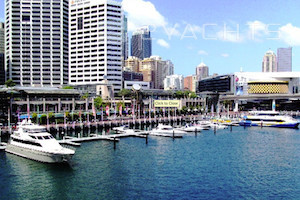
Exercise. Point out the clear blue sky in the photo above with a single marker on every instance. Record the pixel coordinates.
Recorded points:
(226, 34)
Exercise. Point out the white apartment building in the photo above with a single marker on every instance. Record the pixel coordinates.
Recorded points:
(95, 42)
(36, 42)
(173, 82)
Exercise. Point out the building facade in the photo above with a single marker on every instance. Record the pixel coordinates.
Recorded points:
(36, 46)
(124, 39)
(173, 82)
(269, 63)
(2, 55)
(202, 71)
(96, 43)
(141, 43)
(284, 59)
(132, 64)
(190, 83)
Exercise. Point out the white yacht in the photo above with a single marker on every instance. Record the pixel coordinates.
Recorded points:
(191, 128)
(166, 129)
(269, 119)
(123, 129)
(33, 142)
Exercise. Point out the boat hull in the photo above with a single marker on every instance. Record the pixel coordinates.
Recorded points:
(39, 156)
(264, 124)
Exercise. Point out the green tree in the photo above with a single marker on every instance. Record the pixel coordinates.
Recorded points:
(124, 93)
(193, 95)
(85, 96)
(10, 83)
(179, 94)
(98, 101)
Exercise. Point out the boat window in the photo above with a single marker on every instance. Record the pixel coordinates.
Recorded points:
(40, 137)
(26, 142)
(32, 136)
(47, 137)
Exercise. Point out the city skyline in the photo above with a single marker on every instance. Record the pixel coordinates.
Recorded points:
(226, 38)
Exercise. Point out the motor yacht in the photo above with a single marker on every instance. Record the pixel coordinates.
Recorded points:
(166, 129)
(269, 119)
(191, 128)
(123, 129)
(34, 142)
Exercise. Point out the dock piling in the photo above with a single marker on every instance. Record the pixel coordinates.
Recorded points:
(115, 143)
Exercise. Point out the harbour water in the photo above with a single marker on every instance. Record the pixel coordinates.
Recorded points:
(251, 163)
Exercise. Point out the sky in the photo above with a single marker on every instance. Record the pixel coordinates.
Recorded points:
(227, 35)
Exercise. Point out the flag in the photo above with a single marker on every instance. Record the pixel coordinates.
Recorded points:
(94, 111)
(107, 110)
(120, 109)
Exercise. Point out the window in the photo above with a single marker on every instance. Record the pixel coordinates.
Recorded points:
(79, 23)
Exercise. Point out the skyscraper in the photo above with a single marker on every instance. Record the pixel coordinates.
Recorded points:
(202, 71)
(96, 43)
(269, 63)
(284, 59)
(124, 39)
(36, 46)
(2, 70)
(141, 43)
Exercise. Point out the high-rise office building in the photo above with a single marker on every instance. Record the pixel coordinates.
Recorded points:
(269, 63)
(141, 43)
(2, 69)
(284, 59)
(96, 43)
(36, 46)
(124, 39)
(202, 71)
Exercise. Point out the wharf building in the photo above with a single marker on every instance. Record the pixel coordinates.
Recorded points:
(36, 42)
(284, 59)
(269, 63)
(255, 89)
(96, 43)
(141, 43)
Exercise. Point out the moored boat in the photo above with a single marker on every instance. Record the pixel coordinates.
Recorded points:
(269, 119)
(34, 142)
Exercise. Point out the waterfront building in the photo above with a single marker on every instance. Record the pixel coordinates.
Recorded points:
(202, 70)
(269, 63)
(191, 82)
(2, 55)
(284, 59)
(173, 82)
(96, 43)
(36, 46)
(141, 43)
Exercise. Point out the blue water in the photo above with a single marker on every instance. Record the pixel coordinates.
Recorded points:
(243, 164)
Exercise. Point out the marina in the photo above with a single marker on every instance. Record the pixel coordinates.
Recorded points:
(243, 163)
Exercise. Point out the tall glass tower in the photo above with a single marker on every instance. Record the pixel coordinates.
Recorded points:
(141, 43)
